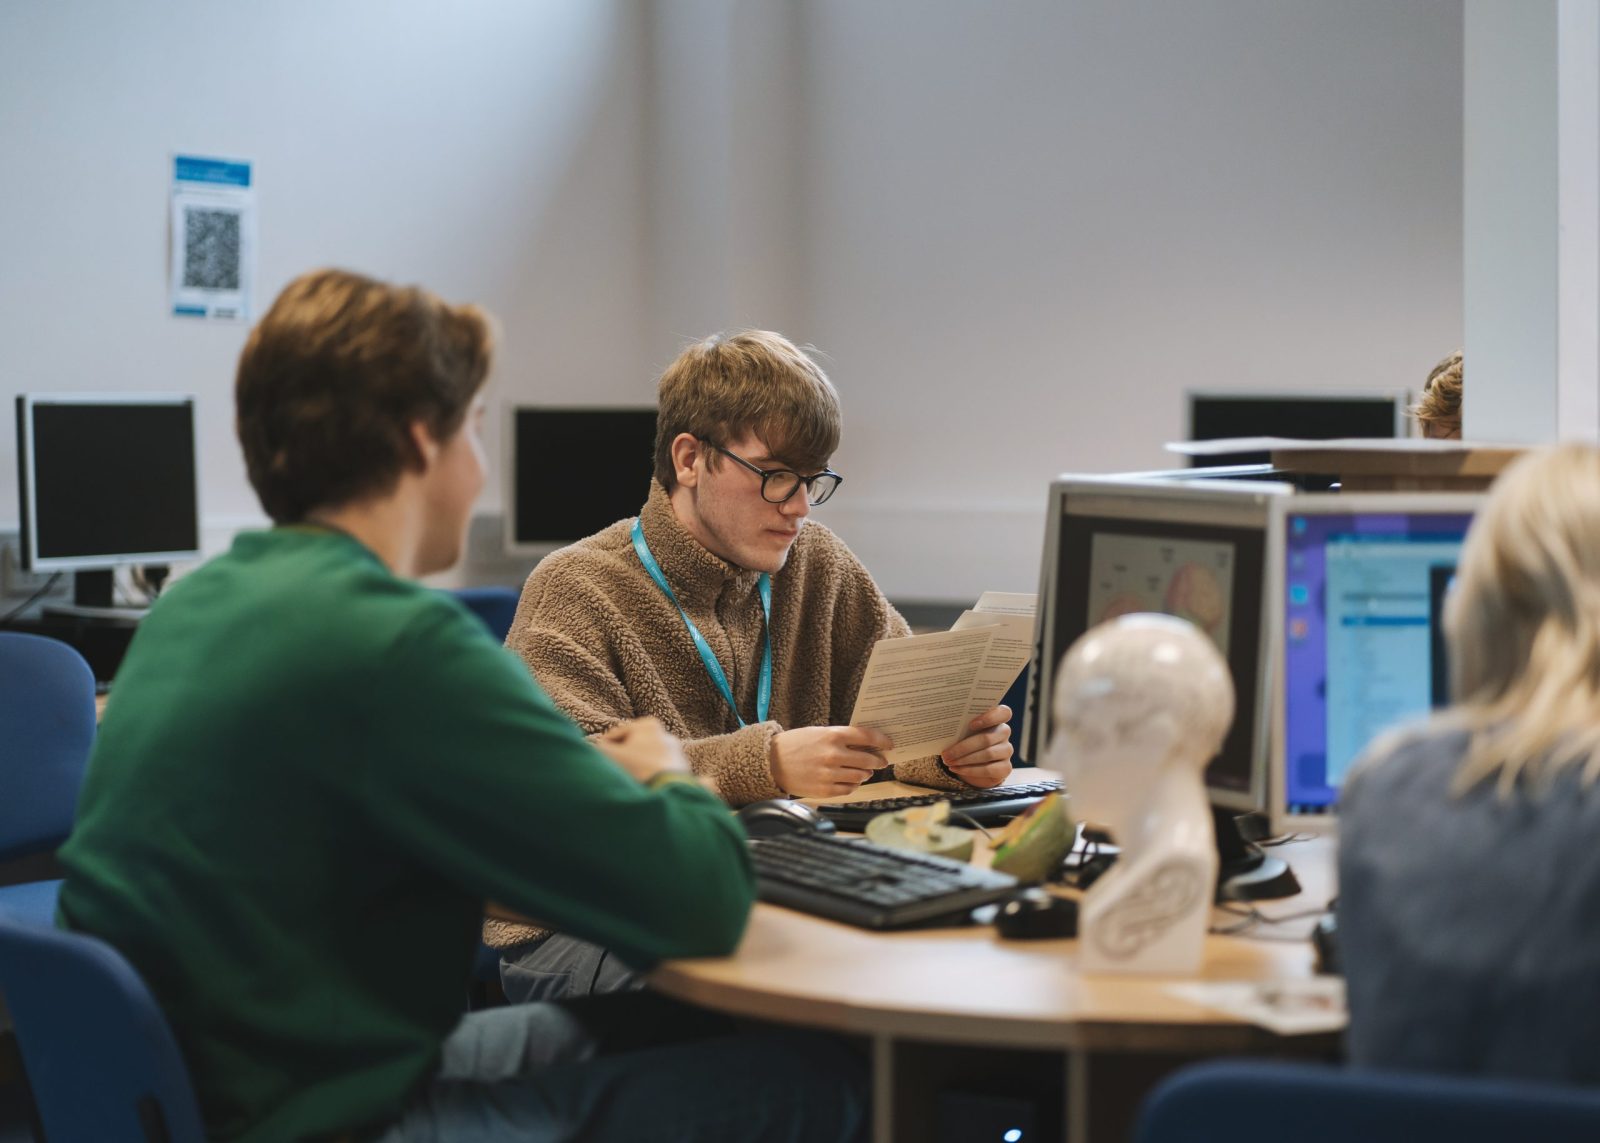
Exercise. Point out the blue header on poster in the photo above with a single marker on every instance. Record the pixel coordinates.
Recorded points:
(216, 172)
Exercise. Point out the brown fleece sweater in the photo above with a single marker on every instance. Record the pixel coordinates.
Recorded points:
(607, 645)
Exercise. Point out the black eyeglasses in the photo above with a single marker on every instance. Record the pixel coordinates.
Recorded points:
(779, 484)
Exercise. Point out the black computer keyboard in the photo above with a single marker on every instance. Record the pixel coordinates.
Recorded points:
(998, 804)
(868, 885)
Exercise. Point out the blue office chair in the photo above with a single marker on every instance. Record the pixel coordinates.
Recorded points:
(100, 1057)
(496, 606)
(47, 722)
(1212, 1103)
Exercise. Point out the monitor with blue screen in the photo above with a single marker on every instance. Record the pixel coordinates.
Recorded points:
(1363, 583)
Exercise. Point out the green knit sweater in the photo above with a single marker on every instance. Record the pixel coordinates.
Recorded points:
(311, 776)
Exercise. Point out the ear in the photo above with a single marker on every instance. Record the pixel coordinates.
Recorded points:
(427, 448)
(686, 453)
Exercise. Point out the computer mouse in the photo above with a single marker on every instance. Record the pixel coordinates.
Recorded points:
(782, 815)
(1325, 945)
(1034, 914)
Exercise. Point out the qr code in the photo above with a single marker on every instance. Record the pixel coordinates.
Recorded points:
(211, 249)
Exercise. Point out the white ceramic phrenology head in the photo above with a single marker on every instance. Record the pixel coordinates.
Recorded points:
(1134, 696)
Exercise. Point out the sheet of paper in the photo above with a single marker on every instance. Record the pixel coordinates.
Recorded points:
(213, 238)
(1287, 1007)
(1009, 652)
(917, 690)
(1008, 603)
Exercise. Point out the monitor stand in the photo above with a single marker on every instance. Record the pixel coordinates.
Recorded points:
(1244, 872)
(92, 601)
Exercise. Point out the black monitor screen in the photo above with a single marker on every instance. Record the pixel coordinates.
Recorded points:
(575, 471)
(107, 481)
(1219, 416)
(1209, 574)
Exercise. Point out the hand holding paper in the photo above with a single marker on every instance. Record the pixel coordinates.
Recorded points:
(983, 757)
(917, 690)
(822, 761)
(924, 691)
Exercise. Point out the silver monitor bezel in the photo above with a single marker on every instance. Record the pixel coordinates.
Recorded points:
(28, 526)
(508, 471)
(1247, 504)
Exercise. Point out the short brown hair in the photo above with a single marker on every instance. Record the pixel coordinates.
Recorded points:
(752, 381)
(333, 377)
(1441, 395)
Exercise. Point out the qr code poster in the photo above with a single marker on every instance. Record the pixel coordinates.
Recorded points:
(213, 238)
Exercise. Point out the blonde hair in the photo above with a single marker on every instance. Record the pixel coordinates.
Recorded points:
(729, 384)
(1523, 624)
(1441, 395)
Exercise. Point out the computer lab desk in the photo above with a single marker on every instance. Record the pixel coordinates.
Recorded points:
(961, 1007)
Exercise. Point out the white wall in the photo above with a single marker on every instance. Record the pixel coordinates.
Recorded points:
(490, 149)
(1031, 226)
(1019, 231)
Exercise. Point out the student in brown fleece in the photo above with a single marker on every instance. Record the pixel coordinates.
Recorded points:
(725, 612)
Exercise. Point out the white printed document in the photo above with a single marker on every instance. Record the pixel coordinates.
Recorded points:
(1287, 1007)
(923, 690)
(1008, 603)
(917, 690)
(1009, 652)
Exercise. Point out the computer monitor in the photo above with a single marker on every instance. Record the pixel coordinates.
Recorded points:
(1196, 549)
(573, 471)
(1363, 578)
(103, 481)
(1301, 416)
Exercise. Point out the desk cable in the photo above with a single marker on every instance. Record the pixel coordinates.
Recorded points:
(1283, 839)
(1251, 918)
(50, 583)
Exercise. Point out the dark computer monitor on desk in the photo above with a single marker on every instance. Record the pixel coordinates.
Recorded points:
(105, 481)
(1299, 416)
(572, 471)
(1358, 616)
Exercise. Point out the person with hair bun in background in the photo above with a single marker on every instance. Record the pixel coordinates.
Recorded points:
(1439, 410)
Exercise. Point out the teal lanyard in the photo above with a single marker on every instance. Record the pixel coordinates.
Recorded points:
(714, 668)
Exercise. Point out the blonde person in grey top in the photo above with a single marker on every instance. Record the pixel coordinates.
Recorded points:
(1469, 924)
(1469, 865)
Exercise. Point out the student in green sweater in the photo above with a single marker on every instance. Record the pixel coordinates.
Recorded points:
(315, 771)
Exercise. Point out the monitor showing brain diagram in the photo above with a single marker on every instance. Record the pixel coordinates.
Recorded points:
(1192, 579)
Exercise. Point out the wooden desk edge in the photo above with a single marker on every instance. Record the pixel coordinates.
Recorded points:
(1219, 1035)
(786, 996)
